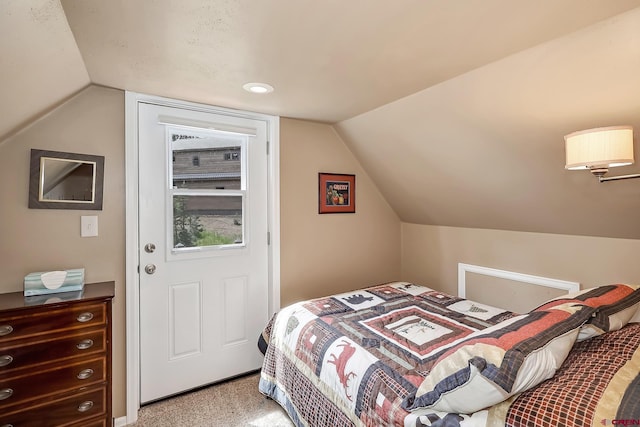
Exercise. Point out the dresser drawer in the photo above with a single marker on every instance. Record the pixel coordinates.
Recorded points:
(27, 387)
(76, 410)
(19, 354)
(99, 422)
(27, 323)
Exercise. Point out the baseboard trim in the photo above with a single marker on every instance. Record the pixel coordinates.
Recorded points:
(120, 422)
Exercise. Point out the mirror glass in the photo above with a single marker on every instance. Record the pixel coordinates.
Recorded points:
(65, 180)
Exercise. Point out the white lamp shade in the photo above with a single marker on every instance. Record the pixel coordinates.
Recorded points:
(599, 148)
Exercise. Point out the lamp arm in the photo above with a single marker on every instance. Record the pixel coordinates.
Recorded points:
(615, 178)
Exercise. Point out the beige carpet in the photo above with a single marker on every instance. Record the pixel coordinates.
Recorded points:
(232, 403)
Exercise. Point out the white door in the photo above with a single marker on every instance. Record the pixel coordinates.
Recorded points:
(203, 247)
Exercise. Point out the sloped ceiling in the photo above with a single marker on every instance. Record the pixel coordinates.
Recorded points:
(40, 64)
(456, 109)
(486, 149)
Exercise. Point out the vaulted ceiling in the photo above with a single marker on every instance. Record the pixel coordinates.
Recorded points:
(456, 109)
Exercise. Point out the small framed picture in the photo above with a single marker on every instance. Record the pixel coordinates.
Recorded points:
(336, 193)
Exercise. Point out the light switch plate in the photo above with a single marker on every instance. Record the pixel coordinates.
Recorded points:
(88, 226)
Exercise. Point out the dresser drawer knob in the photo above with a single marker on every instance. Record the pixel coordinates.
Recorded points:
(85, 406)
(84, 317)
(85, 373)
(5, 360)
(5, 330)
(85, 344)
(5, 393)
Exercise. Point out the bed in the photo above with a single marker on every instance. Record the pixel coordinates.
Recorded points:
(401, 354)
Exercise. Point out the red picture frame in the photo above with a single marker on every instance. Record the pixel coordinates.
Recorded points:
(336, 193)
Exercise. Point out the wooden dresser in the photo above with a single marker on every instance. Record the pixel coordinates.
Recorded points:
(55, 358)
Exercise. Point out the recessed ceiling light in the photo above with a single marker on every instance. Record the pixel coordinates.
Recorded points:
(258, 87)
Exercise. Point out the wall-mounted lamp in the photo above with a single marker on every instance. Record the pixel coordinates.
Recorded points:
(599, 149)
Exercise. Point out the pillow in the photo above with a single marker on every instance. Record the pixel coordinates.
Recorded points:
(491, 365)
(616, 305)
(636, 317)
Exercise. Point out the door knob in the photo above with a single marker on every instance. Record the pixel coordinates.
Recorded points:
(149, 247)
(150, 268)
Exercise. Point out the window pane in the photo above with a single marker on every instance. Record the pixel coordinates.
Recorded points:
(207, 221)
(205, 163)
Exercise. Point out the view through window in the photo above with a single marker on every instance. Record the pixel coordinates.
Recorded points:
(208, 188)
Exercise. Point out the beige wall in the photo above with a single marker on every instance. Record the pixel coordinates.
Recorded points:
(329, 253)
(49, 239)
(320, 253)
(430, 255)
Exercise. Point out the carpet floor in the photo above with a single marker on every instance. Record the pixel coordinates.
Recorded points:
(233, 403)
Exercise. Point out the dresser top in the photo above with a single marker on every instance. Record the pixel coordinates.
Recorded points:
(91, 291)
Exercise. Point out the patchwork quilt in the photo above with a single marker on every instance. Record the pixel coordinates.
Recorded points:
(400, 354)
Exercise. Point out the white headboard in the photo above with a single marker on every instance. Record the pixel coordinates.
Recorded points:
(463, 269)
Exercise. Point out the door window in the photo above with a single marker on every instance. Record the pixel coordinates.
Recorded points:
(207, 186)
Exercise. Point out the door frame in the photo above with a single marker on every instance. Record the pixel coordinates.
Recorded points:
(132, 276)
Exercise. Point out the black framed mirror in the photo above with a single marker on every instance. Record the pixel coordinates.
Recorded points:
(61, 180)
